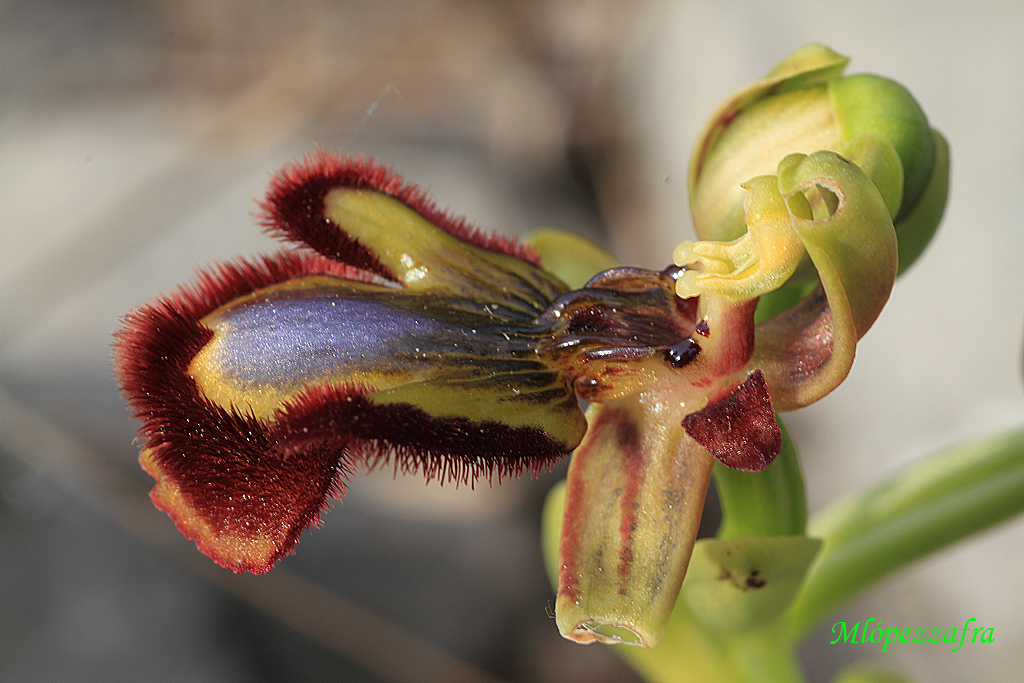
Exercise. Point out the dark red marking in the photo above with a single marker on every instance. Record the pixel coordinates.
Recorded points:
(218, 457)
(739, 429)
(589, 320)
(450, 449)
(634, 466)
(702, 328)
(294, 209)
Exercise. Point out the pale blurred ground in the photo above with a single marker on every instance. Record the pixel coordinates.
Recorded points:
(133, 138)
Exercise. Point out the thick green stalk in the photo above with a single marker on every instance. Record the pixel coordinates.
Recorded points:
(764, 656)
(767, 503)
(689, 653)
(932, 504)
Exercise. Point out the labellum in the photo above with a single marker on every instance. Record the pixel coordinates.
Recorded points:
(393, 333)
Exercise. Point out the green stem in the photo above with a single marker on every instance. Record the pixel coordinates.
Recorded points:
(767, 503)
(689, 653)
(932, 504)
(764, 656)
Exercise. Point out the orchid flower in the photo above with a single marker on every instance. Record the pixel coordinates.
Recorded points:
(395, 334)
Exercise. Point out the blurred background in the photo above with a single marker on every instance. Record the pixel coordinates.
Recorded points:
(134, 137)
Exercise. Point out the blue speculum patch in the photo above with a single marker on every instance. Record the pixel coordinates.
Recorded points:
(300, 338)
(280, 340)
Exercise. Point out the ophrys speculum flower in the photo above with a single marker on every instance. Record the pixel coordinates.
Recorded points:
(395, 334)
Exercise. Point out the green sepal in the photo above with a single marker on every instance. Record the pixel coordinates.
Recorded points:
(803, 105)
(810, 65)
(916, 227)
(866, 104)
(687, 654)
(785, 111)
(739, 584)
(688, 651)
(636, 489)
(852, 243)
(573, 258)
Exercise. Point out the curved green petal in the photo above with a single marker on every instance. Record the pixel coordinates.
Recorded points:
(853, 248)
(808, 350)
(880, 162)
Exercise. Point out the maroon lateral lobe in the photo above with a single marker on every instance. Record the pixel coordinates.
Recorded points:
(446, 448)
(739, 429)
(294, 209)
(213, 475)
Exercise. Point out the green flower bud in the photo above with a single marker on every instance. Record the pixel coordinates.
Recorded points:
(805, 105)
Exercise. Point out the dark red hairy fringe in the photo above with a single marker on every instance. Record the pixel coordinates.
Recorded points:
(193, 440)
(294, 209)
(447, 449)
(149, 348)
(291, 468)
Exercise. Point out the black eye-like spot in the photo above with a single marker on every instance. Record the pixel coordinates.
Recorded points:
(682, 352)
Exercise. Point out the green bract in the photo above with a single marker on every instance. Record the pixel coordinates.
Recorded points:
(737, 584)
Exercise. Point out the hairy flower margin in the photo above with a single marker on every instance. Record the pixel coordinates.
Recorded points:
(396, 334)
